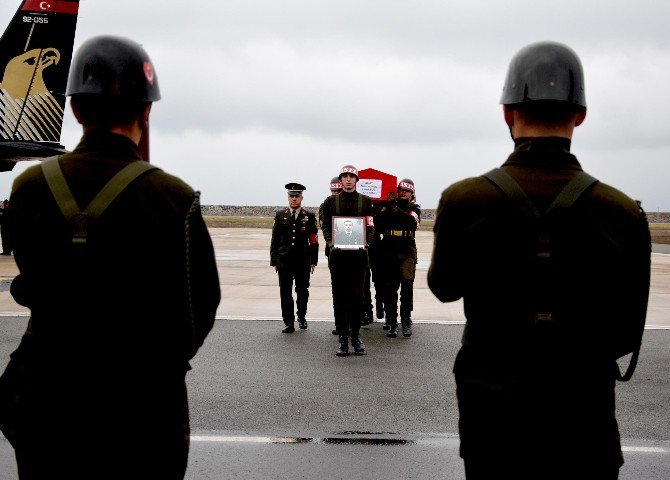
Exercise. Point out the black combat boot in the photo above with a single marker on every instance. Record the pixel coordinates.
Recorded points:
(302, 323)
(359, 346)
(406, 326)
(288, 329)
(343, 349)
(393, 328)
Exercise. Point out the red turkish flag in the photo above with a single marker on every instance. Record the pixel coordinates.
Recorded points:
(51, 6)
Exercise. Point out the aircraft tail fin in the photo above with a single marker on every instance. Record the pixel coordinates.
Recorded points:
(35, 56)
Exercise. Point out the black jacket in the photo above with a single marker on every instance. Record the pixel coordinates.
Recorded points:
(294, 243)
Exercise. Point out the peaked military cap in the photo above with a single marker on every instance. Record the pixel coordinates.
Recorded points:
(294, 188)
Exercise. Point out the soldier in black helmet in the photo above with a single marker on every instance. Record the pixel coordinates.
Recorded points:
(397, 223)
(348, 265)
(553, 269)
(135, 294)
(294, 251)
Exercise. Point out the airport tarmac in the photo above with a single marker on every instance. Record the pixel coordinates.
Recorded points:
(250, 290)
(266, 405)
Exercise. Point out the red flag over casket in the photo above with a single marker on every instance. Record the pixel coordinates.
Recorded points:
(379, 186)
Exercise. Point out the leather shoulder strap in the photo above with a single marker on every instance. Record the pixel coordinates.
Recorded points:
(67, 203)
(513, 191)
(59, 187)
(115, 186)
(572, 191)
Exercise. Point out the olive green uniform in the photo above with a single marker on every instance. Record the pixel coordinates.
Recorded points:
(540, 395)
(114, 322)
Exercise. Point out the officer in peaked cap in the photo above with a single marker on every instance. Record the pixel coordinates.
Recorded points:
(294, 251)
(109, 343)
(553, 269)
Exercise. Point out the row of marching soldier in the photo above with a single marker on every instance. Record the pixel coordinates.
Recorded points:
(388, 255)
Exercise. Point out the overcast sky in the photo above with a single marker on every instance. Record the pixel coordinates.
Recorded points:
(257, 93)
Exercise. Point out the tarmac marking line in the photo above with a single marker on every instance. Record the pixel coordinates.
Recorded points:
(645, 449)
(323, 319)
(448, 440)
(330, 319)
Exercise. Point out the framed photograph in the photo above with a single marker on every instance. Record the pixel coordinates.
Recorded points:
(349, 232)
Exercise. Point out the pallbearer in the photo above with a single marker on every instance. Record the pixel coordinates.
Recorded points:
(294, 253)
(398, 223)
(348, 261)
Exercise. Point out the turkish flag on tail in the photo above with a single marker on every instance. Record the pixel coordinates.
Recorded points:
(51, 6)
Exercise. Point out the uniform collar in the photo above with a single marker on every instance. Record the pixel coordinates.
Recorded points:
(110, 144)
(543, 151)
(542, 143)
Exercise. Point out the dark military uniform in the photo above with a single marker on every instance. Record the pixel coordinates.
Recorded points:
(114, 322)
(347, 266)
(398, 223)
(376, 275)
(327, 253)
(293, 249)
(4, 219)
(537, 394)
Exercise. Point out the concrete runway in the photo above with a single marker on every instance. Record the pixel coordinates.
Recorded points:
(263, 404)
(250, 289)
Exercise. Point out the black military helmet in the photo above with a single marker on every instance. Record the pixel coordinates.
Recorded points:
(544, 71)
(113, 67)
(406, 184)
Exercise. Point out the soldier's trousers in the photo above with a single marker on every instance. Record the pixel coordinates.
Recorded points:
(287, 275)
(348, 276)
(533, 422)
(367, 294)
(377, 277)
(400, 269)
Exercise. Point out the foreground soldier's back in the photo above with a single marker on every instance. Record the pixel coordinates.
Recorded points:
(551, 301)
(119, 303)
